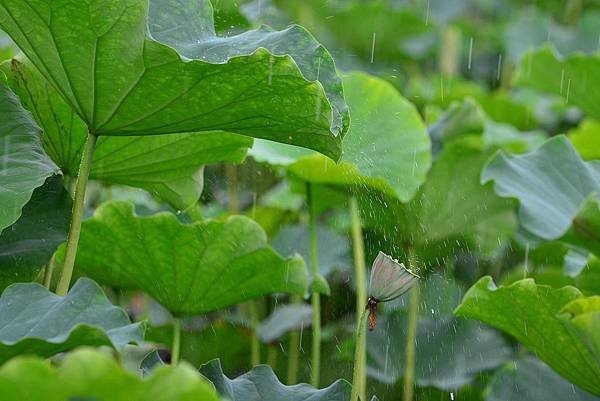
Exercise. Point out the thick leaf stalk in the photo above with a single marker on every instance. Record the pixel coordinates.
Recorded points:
(409, 372)
(176, 345)
(76, 215)
(315, 296)
(360, 275)
(358, 383)
(294, 351)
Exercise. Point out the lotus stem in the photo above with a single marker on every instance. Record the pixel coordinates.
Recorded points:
(358, 383)
(315, 296)
(409, 371)
(360, 276)
(294, 351)
(76, 215)
(272, 356)
(176, 346)
(49, 271)
(255, 343)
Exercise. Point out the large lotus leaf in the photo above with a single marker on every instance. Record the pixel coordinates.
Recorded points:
(557, 190)
(93, 375)
(450, 352)
(570, 77)
(35, 321)
(28, 245)
(532, 380)
(334, 248)
(530, 313)
(284, 319)
(23, 164)
(169, 166)
(122, 82)
(261, 384)
(586, 139)
(188, 268)
(583, 315)
(386, 148)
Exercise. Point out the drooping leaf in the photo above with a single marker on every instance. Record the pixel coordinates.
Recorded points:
(28, 245)
(557, 190)
(92, 375)
(569, 77)
(532, 380)
(23, 164)
(586, 139)
(387, 147)
(530, 313)
(188, 268)
(169, 166)
(122, 82)
(284, 319)
(36, 321)
(261, 384)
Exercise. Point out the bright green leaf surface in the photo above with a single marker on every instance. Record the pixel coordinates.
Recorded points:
(93, 375)
(584, 316)
(571, 77)
(261, 384)
(28, 245)
(121, 82)
(188, 268)
(532, 380)
(557, 190)
(529, 312)
(23, 164)
(169, 166)
(387, 147)
(586, 139)
(36, 321)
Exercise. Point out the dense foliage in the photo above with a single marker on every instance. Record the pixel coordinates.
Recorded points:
(192, 191)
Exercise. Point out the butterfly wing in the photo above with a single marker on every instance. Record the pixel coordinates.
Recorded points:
(389, 279)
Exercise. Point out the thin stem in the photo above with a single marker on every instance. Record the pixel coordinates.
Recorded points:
(360, 275)
(76, 215)
(409, 372)
(360, 358)
(176, 346)
(49, 271)
(315, 296)
(294, 351)
(255, 343)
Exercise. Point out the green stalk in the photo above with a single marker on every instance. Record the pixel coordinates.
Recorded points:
(360, 274)
(360, 358)
(315, 296)
(272, 356)
(176, 346)
(409, 372)
(294, 351)
(49, 271)
(255, 343)
(76, 215)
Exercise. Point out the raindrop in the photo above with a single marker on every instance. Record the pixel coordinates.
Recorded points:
(373, 48)
(470, 52)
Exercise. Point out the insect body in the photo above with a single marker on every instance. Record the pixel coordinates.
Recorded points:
(372, 307)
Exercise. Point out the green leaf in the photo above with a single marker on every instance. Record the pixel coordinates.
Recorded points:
(169, 166)
(93, 375)
(569, 77)
(261, 384)
(584, 316)
(532, 380)
(36, 321)
(284, 319)
(586, 139)
(122, 82)
(28, 245)
(529, 312)
(188, 268)
(23, 164)
(387, 147)
(558, 192)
